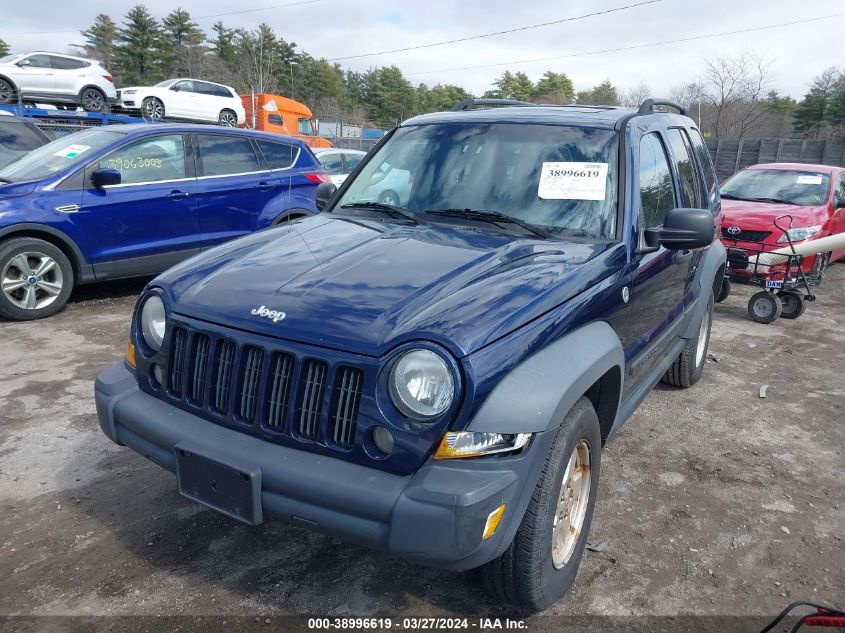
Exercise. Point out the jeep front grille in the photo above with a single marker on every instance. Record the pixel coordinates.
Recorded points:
(306, 399)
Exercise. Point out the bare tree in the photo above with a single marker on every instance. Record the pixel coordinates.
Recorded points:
(257, 60)
(633, 97)
(733, 91)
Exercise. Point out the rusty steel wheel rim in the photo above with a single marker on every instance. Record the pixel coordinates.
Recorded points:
(572, 505)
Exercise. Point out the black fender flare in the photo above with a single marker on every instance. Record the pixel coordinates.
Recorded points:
(536, 395)
(711, 267)
(287, 213)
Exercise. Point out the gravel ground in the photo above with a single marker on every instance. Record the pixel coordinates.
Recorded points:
(712, 500)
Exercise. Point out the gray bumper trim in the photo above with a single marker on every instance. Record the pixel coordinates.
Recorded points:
(435, 516)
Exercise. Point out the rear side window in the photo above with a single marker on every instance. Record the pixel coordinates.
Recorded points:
(224, 155)
(706, 167)
(63, 63)
(656, 193)
(220, 91)
(150, 159)
(690, 186)
(278, 155)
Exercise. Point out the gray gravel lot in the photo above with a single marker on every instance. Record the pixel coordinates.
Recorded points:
(712, 500)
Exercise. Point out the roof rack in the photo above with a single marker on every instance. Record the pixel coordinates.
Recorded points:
(469, 104)
(647, 106)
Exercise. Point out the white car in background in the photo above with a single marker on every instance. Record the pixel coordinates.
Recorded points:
(338, 163)
(186, 100)
(55, 78)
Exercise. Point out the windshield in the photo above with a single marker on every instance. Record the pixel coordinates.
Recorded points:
(8, 58)
(792, 186)
(559, 178)
(59, 155)
(166, 83)
(16, 139)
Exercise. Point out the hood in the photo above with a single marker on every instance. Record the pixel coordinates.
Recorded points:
(750, 215)
(366, 286)
(16, 189)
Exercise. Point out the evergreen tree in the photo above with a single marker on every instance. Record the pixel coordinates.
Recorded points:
(140, 51)
(439, 98)
(100, 41)
(388, 96)
(603, 94)
(179, 30)
(555, 88)
(819, 104)
(4, 48)
(223, 43)
(513, 86)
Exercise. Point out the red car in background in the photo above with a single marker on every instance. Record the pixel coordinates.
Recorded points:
(814, 195)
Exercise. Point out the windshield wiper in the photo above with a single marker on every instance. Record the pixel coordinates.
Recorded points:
(730, 196)
(380, 206)
(773, 200)
(493, 217)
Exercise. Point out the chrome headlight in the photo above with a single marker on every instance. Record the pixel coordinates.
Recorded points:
(421, 385)
(799, 233)
(153, 321)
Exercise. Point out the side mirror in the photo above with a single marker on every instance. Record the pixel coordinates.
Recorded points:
(683, 229)
(325, 191)
(102, 178)
(175, 88)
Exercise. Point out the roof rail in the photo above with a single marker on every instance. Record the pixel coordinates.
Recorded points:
(468, 104)
(647, 106)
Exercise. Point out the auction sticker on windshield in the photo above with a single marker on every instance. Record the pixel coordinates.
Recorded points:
(809, 180)
(573, 181)
(72, 151)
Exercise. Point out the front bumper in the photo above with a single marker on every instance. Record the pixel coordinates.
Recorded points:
(435, 517)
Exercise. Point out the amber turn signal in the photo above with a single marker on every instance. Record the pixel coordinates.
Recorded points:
(130, 354)
(493, 522)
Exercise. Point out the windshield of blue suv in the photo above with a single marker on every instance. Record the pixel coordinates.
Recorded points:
(562, 179)
(804, 187)
(54, 157)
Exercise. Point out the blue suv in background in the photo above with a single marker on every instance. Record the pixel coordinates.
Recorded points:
(132, 200)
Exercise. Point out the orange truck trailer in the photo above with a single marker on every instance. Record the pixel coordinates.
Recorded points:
(275, 113)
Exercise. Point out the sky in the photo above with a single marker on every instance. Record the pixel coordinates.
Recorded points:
(334, 29)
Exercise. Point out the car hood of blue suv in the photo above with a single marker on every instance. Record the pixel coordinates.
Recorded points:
(366, 286)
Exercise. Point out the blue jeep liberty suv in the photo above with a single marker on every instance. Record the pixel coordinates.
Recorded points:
(438, 379)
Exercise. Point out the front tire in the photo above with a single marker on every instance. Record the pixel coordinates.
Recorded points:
(36, 279)
(724, 291)
(688, 367)
(152, 109)
(540, 564)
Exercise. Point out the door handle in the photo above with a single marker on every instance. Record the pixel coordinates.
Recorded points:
(265, 186)
(177, 195)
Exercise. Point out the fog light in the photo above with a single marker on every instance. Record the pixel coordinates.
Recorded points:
(493, 522)
(130, 355)
(158, 377)
(383, 439)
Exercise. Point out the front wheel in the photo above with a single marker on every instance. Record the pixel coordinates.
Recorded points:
(540, 564)
(724, 291)
(152, 109)
(7, 93)
(227, 118)
(36, 279)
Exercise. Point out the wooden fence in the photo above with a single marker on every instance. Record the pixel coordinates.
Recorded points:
(730, 154)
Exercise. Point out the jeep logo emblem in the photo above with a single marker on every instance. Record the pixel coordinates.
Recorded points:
(266, 312)
(734, 230)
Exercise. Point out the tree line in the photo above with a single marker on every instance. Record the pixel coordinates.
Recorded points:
(733, 97)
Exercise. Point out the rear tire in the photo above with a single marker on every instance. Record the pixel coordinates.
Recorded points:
(36, 279)
(764, 307)
(538, 567)
(724, 291)
(688, 367)
(8, 94)
(93, 100)
(227, 118)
